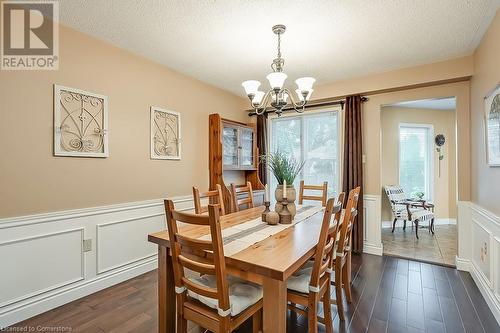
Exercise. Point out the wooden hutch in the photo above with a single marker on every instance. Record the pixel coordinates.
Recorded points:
(233, 156)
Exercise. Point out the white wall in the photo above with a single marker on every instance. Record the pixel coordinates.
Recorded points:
(43, 263)
(479, 250)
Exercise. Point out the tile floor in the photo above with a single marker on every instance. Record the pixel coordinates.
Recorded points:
(440, 248)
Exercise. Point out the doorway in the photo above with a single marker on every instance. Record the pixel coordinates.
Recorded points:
(419, 161)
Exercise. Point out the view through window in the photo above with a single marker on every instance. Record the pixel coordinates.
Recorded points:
(415, 151)
(313, 138)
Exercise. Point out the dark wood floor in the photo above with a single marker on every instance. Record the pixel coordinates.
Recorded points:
(389, 295)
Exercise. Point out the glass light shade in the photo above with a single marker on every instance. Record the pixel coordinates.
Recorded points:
(276, 80)
(257, 99)
(251, 86)
(301, 97)
(305, 83)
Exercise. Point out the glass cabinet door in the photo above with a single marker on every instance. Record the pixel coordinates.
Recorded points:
(246, 147)
(230, 147)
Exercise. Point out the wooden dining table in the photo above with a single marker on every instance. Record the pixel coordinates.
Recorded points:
(269, 262)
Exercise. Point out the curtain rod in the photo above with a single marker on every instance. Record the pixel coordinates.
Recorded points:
(313, 104)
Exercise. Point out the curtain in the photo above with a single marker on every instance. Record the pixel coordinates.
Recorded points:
(353, 164)
(262, 146)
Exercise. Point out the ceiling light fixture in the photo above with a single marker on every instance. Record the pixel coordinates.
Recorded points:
(278, 95)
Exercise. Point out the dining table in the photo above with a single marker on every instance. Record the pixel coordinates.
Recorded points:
(268, 260)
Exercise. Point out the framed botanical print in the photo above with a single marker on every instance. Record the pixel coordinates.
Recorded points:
(492, 126)
(165, 134)
(80, 123)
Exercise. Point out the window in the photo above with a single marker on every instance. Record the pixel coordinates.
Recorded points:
(415, 159)
(314, 138)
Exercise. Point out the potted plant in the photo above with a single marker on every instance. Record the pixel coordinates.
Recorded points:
(285, 169)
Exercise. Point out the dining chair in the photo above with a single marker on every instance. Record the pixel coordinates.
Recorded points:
(217, 193)
(323, 188)
(343, 253)
(311, 284)
(214, 300)
(237, 191)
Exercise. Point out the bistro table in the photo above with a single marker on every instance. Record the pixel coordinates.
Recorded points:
(269, 262)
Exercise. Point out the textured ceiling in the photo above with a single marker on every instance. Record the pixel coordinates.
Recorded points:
(433, 104)
(225, 42)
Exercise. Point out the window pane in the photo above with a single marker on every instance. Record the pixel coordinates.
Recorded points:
(311, 138)
(414, 163)
(321, 151)
(285, 137)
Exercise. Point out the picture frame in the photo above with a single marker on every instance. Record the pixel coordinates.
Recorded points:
(492, 126)
(166, 139)
(80, 123)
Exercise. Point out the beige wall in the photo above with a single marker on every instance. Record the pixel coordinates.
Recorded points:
(406, 77)
(485, 180)
(32, 180)
(444, 185)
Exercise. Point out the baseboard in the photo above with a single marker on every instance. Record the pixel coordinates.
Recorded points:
(373, 249)
(57, 298)
(489, 296)
(462, 264)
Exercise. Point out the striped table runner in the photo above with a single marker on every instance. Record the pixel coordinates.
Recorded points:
(241, 236)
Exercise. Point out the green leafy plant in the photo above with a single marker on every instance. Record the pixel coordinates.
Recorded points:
(419, 195)
(283, 167)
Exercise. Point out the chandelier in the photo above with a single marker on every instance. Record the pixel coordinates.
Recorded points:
(277, 97)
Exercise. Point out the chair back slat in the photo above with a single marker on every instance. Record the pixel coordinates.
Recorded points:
(197, 266)
(237, 191)
(202, 256)
(197, 244)
(215, 194)
(348, 221)
(200, 289)
(323, 257)
(322, 198)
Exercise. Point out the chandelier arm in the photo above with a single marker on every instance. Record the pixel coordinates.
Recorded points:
(295, 105)
(263, 104)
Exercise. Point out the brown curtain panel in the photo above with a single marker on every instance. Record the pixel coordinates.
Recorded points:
(262, 145)
(353, 164)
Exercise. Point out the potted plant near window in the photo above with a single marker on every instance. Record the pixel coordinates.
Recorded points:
(285, 169)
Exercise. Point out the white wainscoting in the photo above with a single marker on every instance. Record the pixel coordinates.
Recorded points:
(43, 263)
(479, 251)
(372, 224)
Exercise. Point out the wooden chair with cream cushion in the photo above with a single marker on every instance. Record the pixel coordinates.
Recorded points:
(238, 191)
(213, 300)
(342, 260)
(311, 284)
(217, 193)
(323, 188)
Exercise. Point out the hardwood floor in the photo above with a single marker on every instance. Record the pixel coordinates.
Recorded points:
(389, 295)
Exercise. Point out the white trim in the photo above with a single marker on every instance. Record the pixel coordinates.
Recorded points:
(470, 214)
(50, 287)
(87, 221)
(376, 249)
(11, 222)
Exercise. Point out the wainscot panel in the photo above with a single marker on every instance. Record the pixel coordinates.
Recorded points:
(54, 258)
(479, 251)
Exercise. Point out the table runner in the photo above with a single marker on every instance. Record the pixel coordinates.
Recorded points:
(241, 236)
